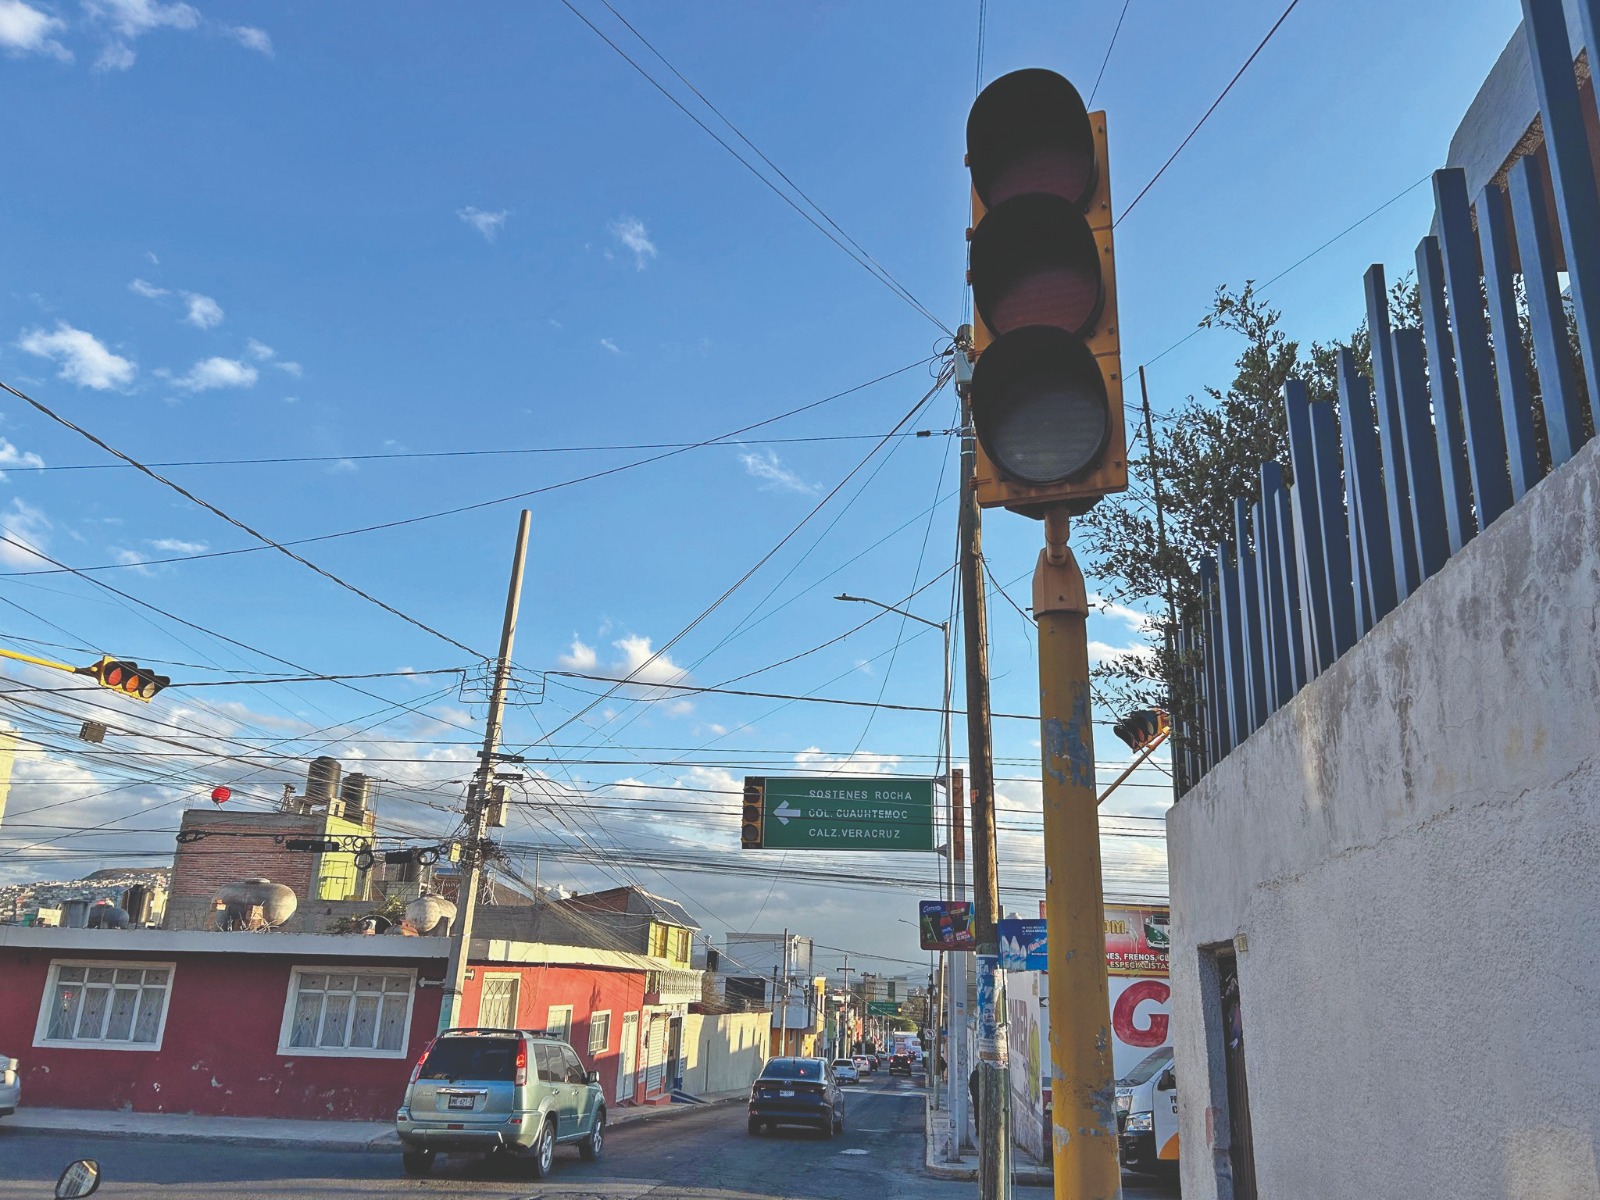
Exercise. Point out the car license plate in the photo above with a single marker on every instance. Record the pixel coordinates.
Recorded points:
(460, 1101)
(785, 1091)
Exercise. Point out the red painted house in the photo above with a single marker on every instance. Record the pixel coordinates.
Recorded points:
(291, 1025)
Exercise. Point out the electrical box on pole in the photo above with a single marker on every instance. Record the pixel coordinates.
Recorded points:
(1047, 377)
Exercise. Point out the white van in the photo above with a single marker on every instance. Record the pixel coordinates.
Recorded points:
(1147, 1115)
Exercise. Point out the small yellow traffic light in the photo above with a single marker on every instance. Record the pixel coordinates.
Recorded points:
(1046, 388)
(126, 677)
(1142, 727)
(752, 821)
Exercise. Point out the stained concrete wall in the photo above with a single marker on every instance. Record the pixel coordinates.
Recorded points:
(1407, 858)
(723, 1052)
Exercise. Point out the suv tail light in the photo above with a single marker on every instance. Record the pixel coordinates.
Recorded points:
(522, 1063)
(417, 1070)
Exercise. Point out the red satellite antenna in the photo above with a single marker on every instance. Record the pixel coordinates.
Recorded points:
(220, 796)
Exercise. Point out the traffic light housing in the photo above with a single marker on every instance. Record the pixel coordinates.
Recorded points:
(1046, 386)
(1142, 727)
(752, 820)
(126, 677)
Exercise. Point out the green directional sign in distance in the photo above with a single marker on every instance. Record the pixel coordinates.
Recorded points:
(847, 814)
(883, 1008)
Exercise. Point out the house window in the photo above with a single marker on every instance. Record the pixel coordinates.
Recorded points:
(680, 945)
(113, 1006)
(559, 1022)
(658, 941)
(351, 1014)
(599, 1033)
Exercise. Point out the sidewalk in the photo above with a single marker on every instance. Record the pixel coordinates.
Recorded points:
(273, 1132)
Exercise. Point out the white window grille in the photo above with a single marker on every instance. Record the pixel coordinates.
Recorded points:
(349, 1013)
(599, 1033)
(111, 1005)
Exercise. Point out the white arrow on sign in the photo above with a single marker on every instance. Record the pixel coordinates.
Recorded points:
(783, 812)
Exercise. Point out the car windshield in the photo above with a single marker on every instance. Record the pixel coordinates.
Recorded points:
(792, 1068)
(471, 1058)
(1148, 1066)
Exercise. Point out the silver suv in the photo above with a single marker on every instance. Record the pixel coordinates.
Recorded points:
(496, 1091)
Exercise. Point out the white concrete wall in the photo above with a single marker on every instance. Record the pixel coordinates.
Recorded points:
(723, 1053)
(1411, 851)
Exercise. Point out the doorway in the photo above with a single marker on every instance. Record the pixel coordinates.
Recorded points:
(1225, 1037)
(627, 1071)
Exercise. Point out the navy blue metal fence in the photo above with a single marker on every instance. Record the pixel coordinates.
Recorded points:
(1438, 444)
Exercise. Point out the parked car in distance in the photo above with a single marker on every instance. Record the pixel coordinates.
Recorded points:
(796, 1091)
(499, 1091)
(863, 1064)
(900, 1064)
(10, 1085)
(844, 1070)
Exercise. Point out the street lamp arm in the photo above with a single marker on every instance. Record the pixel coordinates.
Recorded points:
(945, 625)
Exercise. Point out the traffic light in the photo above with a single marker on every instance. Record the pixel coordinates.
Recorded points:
(1046, 387)
(1141, 727)
(128, 678)
(753, 818)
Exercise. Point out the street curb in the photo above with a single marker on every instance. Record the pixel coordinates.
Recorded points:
(383, 1143)
(1020, 1176)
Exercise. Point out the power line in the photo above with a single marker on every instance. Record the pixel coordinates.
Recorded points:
(1095, 90)
(1237, 74)
(860, 257)
(538, 491)
(235, 522)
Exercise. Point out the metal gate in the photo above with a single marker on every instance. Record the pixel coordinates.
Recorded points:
(627, 1070)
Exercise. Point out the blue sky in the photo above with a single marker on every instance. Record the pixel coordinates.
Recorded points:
(282, 230)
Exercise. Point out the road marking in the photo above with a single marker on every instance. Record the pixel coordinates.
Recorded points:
(854, 1151)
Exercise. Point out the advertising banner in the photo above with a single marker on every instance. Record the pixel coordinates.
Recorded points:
(1136, 940)
(946, 924)
(1022, 944)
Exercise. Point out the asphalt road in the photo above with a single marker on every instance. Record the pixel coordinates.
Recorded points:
(705, 1154)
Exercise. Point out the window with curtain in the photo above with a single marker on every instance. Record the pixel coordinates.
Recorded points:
(112, 1005)
(363, 1014)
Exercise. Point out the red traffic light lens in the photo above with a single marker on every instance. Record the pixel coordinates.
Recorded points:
(113, 674)
(1029, 132)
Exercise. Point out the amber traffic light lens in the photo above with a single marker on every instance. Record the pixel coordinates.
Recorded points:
(1035, 262)
(1029, 132)
(1039, 404)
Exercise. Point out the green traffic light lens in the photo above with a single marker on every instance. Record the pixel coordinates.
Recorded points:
(1039, 406)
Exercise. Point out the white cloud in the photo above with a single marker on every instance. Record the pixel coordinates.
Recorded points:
(251, 38)
(177, 546)
(579, 658)
(149, 291)
(342, 466)
(10, 456)
(258, 350)
(26, 30)
(773, 474)
(125, 21)
(636, 653)
(1100, 652)
(487, 223)
(129, 558)
(83, 358)
(608, 344)
(814, 761)
(211, 373)
(204, 312)
(24, 529)
(630, 231)
(1135, 620)
(151, 255)
(290, 368)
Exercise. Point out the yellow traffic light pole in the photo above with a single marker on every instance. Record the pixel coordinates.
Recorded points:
(1083, 1098)
(42, 662)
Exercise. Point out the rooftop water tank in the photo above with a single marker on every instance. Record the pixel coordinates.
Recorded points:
(356, 792)
(322, 780)
(254, 904)
(432, 915)
(107, 916)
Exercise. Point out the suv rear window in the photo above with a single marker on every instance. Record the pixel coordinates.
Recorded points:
(792, 1068)
(493, 1058)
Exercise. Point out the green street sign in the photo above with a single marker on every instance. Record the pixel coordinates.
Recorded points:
(882, 1008)
(846, 814)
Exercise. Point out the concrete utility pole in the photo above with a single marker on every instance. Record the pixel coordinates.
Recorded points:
(783, 1024)
(479, 796)
(1084, 1136)
(994, 1085)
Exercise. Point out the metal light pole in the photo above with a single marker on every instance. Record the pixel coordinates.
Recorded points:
(956, 979)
